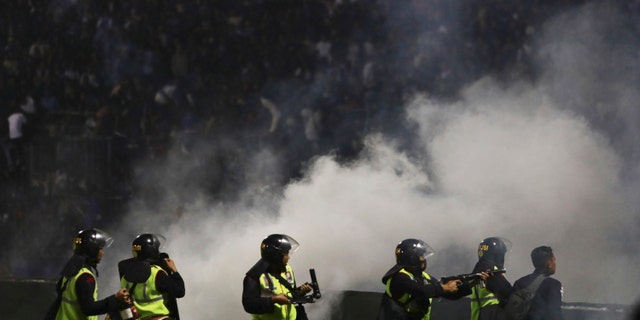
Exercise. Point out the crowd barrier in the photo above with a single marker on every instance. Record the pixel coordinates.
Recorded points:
(25, 299)
(28, 299)
(358, 305)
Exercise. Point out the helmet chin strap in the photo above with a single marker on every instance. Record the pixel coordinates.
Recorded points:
(421, 262)
(277, 267)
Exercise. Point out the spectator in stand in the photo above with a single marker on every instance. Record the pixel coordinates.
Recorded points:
(312, 120)
(4, 145)
(19, 133)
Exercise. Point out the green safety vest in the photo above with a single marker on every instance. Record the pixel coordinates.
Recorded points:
(270, 286)
(480, 298)
(407, 297)
(69, 305)
(146, 297)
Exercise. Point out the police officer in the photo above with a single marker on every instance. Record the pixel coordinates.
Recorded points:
(77, 287)
(151, 278)
(487, 297)
(410, 289)
(270, 284)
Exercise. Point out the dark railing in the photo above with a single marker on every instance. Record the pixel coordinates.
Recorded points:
(364, 305)
(353, 305)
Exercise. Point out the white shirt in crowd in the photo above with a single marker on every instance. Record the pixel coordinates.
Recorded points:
(18, 119)
(16, 122)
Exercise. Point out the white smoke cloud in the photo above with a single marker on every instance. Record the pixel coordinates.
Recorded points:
(520, 162)
(504, 164)
(534, 174)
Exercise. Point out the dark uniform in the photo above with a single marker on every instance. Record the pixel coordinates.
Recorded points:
(272, 276)
(546, 304)
(487, 300)
(153, 284)
(77, 287)
(409, 289)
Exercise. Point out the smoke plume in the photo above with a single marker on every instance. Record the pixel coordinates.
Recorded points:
(550, 163)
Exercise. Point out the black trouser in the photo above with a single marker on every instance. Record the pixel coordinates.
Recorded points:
(301, 313)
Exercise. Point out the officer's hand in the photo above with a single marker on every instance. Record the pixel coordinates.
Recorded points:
(171, 265)
(451, 286)
(280, 299)
(122, 295)
(305, 288)
(483, 278)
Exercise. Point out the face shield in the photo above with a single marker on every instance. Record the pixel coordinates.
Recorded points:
(291, 243)
(102, 238)
(413, 253)
(507, 244)
(161, 240)
(90, 243)
(423, 249)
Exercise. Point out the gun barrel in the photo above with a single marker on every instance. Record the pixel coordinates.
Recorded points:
(461, 277)
(314, 284)
(470, 276)
(499, 271)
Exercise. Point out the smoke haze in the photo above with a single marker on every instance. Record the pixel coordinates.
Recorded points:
(537, 164)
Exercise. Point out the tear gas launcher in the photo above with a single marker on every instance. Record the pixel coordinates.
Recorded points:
(471, 276)
(313, 296)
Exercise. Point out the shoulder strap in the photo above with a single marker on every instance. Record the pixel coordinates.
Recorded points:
(476, 293)
(62, 285)
(53, 309)
(533, 286)
(131, 291)
(284, 282)
(520, 300)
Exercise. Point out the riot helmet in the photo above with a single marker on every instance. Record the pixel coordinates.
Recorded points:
(274, 247)
(413, 253)
(146, 246)
(89, 242)
(494, 249)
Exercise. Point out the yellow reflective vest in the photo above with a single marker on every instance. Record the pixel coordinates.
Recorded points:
(146, 297)
(270, 286)
(480, 298)
(405, 298)
(69, 305)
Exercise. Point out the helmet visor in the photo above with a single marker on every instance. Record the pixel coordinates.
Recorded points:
(424, 249)
(161, 239)
(507, 244)
(291, 242)
(103, 238)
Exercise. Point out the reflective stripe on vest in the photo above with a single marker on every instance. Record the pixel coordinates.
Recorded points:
(480, 298)
(69, 305)
(270, 286)
(146, 297)
(407, 297)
